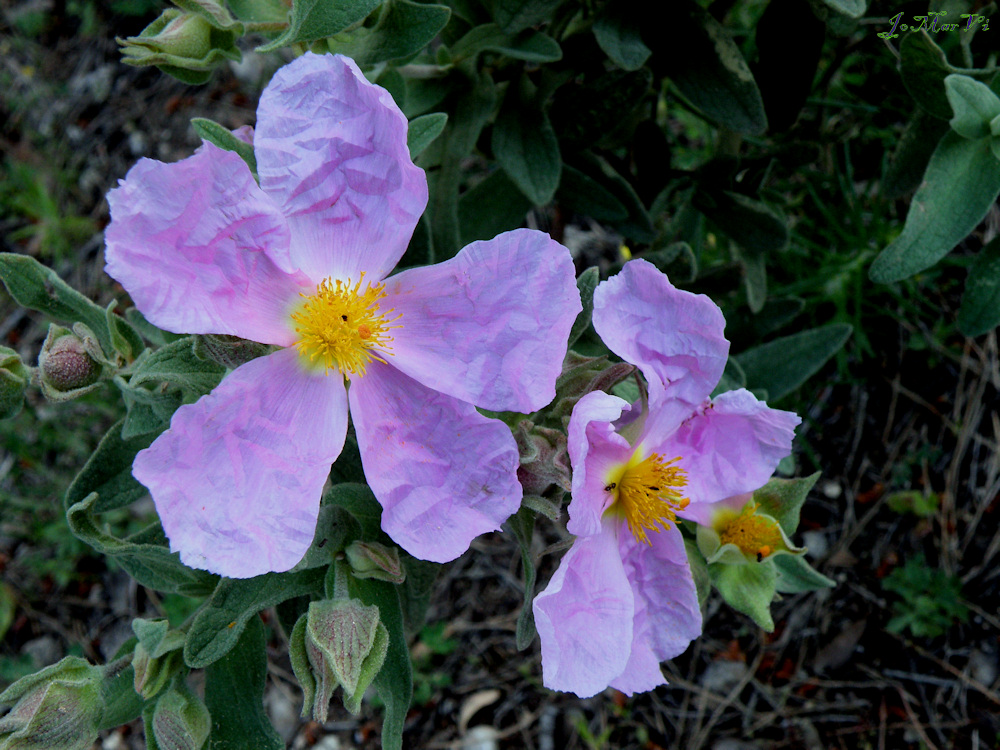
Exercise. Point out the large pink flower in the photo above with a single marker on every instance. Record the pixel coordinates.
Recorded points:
(300, 262)
(622, 599)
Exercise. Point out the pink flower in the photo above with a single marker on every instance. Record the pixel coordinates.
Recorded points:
(300, 262)
(622, 599)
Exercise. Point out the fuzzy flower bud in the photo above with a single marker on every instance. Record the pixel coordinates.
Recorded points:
(69, 363)
(374, 560)
(13, 382)
(158, 656)
(56, 707)
(180, 720)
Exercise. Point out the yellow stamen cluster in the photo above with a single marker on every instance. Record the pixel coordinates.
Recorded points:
(753, 534)
(340, 326)
(647, 494)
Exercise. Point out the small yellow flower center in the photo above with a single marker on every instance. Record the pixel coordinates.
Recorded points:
(753, 534)
(647, 493)
(340, 326)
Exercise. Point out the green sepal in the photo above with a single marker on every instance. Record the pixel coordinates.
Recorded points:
(14, 377)
(782, 499)
(796, 575)
(974, 104)
(522, 526)
(180, 720)
(748, 589)
(223, 137)
(120, 703)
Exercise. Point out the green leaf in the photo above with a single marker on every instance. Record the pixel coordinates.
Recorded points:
(149, 410)
(235, 602)
(213, 132)
(909, 160)
(318, 19)
(699, 570)
(124, 338)
(974, 105)
(782, 499)
(522, 526)
(394, 682)
(709, 70)
(795, 575)
(754, 277)
(588, 197)
(980, 311)
(423, 130)
(150, 564)
(516, 15)
(178, 365)
(751, 223)
(639, 225)
(526, 145)
(259, 11)
(618, 33)
(415, 592)
(492, 206)
(782, 365)
(358, 500)
(850, 8)
(531, 46)
(923, 67)
(234, 695)
(747, 588)
(403, 29)
(108, 472)
(586, 284)
(39, 288)
(120, 703)
(733, 378)
(962, 181)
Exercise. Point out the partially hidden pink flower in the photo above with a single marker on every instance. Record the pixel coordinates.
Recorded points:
(622, 599)
(300, 262)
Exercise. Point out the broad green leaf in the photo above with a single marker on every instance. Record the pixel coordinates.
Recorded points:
(525, 144)
(974, 105)
(318, 19)
(492, 206)
(259, 11)
(415, 591)
(586, 284)
(121, 704)
(532, 46)
(909, 160)
(782, 499)
(749, 222)
(924, 67)
(587, 197)
(795, 575)
(754, 278)
(748, 588)
(235, 602)
(522, 525)
(851, 8)
(980, 311)
(150, 564)
(617, 31)
(962, 181)
(514, 16)
(403, 29)
(234, 695)
(149, 410)
(178, 365)
(358, 500)
(108, 472)
(423, 130)
(709, 70)
(39, 288)
(782, 365)
(213, 132)
(394, 682)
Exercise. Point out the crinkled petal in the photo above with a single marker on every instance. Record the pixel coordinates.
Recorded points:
(704, 513)
(730, 446)
(238, 475)
(675, 337)
(490, 325)
(642, 672)
(594, 449)
(331, 151)
(201, 249)
(584, 617)
(661, 578)
(443, 472)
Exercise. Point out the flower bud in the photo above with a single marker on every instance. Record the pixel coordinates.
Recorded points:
(69, 363)
(180, 721)
(374, 560)
(57, 707)
(158, 656)
(544, 460)
(337, 642)
(14, 378)
(184, 35)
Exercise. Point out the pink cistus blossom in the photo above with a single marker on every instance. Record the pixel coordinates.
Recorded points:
(622, 599)
(300, 262)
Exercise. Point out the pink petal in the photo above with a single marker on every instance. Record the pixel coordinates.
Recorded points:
(584, 617)
(443, 473)
(730, 446)
(675, 337)
(238, 475)
(201, 249)
(331, 151)
(594, 449)
(490, 325)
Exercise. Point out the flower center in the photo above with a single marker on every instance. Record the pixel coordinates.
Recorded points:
(753, 534)
(647, 493)
(340, 327)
